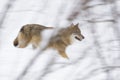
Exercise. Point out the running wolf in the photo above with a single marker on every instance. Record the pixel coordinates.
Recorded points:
(30, 33)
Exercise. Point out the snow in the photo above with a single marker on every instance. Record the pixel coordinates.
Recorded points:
(97, 57)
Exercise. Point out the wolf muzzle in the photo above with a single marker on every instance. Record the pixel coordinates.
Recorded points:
(79, 37)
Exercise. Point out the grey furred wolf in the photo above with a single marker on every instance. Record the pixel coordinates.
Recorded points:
(31, 33)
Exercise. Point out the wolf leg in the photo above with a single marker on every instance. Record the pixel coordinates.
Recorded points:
(35, 45)
(63, 54)
(35, 41)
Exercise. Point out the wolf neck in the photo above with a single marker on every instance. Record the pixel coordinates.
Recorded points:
(66, 35)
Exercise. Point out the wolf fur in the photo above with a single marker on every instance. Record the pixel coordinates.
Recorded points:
(31, 33)
(63, 39)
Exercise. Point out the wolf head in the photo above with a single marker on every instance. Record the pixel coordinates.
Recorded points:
(76, 32)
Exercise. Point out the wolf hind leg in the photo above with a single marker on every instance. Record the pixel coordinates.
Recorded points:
(35, 41)
(34, 45)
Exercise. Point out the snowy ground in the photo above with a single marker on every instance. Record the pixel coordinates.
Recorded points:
(97, 57)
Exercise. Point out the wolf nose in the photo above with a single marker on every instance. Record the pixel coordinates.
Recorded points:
(83, 37)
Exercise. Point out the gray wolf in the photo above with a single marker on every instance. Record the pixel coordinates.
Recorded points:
(31, 33)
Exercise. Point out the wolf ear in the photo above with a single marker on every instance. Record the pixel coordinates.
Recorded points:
(72, 25)
(77, 25)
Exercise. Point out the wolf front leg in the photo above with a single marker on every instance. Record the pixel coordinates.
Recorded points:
(63, 54)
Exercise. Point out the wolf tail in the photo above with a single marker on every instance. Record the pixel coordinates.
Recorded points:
(15, 43)
(49, 28)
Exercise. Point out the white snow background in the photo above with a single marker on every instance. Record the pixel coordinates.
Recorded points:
(97, 57)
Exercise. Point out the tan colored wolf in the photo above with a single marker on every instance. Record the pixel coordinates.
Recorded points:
(29, 33)
(64, 38)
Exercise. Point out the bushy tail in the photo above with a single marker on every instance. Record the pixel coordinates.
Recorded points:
(49, 27)
(15, 43)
